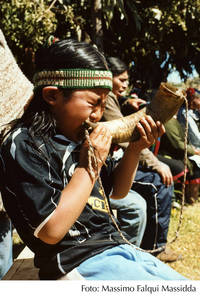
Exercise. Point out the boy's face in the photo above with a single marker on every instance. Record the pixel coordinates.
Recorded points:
(71, 113)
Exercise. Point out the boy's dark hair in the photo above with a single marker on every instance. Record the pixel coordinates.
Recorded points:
(67, 53)
(116, 65)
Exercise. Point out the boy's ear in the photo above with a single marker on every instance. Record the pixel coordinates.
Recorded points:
(50, 94)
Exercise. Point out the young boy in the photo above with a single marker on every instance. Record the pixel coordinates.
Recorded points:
(57, 177)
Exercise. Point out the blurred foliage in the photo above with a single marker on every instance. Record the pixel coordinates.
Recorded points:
(158, 36)
(26, 24)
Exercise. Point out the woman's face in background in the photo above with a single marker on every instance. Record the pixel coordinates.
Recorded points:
(120, 84)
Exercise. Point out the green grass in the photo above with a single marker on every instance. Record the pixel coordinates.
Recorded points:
(188, 242)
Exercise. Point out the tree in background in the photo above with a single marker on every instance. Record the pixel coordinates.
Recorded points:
(157, 35)
(26, 24)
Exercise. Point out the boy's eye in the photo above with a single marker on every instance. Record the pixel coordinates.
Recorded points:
(99, 102)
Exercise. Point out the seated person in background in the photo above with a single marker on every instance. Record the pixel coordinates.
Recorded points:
(131, 211)
(172, 146)
(153, 178)
(56, 188)
(193, 98)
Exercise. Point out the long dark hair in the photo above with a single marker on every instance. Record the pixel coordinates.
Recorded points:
(116, 65)
(67, 53)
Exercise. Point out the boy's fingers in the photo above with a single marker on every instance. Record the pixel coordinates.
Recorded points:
(161, 128)
(150, 128)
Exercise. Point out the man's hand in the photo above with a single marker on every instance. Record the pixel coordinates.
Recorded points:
(135, 103)
(165, 174)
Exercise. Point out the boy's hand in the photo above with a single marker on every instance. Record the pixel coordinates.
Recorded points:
(149, 132)
(100, 139)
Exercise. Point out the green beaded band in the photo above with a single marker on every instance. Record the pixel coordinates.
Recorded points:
(74, 78)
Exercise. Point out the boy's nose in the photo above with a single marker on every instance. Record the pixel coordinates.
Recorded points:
(96, 115)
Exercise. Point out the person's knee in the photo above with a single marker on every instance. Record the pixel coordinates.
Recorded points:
(132, 201)
(137, 206)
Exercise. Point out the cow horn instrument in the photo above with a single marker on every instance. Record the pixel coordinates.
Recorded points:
(162, 107)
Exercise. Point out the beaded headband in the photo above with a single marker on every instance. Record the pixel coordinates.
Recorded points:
(74, 78)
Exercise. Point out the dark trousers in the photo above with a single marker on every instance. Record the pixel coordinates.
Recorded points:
(158, 197)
